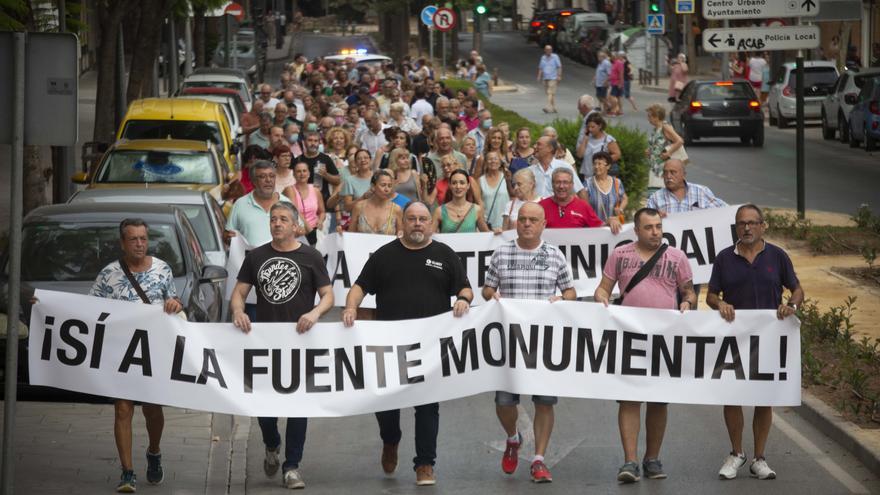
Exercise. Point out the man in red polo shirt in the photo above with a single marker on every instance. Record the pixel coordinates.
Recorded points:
(564, 210)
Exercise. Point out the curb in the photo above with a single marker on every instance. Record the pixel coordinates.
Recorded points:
(505, 88)
(847, 434)
(227, 459)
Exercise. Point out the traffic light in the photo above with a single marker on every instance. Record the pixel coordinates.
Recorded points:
(480, 9)
(655, 7)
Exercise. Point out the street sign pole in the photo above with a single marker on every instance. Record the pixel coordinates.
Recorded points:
(443, 62)
(799, 135)
(14, 291)
(725, 67)
(656, 60)
(431, 43)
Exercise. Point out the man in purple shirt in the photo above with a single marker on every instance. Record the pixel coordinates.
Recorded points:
(751, 275)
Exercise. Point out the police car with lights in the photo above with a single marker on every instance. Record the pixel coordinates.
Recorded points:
(361, 56)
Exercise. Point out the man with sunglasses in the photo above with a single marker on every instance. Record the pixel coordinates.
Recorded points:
(751, 274)
(563, 209)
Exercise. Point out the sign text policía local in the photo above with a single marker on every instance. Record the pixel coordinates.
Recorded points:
(758, 9)
(748, 39)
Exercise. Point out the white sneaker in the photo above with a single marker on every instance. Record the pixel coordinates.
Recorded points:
(731, 465)
(272, 461)
(293, 480)
(761, 470)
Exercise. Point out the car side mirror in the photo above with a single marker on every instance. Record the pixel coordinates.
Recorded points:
(80, 178)
(213, 274)
(850, 99)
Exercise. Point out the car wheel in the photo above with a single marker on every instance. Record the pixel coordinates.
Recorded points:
(686, 135)
(781, 121)
(758, 138)
(853, 142)
(827, 132)
(842, 129)
(870, 142)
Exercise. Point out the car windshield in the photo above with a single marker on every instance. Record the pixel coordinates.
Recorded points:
(69, 252)
(196, 130)
(241, 88)
(199, 217)
(724, 92)
(178, 167)
(814, 76)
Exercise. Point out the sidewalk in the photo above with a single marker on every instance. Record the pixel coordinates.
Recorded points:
(63, 448)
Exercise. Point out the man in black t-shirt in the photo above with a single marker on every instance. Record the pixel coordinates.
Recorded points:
(412, 277)
(287, 274)
(324, 171)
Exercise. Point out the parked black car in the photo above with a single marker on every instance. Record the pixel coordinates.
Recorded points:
(65, 247)
(719, 109)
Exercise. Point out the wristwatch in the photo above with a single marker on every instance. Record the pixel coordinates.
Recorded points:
(792, 305)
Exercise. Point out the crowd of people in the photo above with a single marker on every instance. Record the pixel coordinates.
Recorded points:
(352, 145)
(390, 150)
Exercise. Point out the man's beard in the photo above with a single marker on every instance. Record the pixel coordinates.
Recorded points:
(416, 237)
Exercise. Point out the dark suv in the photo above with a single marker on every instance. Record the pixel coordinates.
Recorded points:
(542, 27)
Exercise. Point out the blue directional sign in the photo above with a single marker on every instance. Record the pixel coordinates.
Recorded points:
(656, 24)
(684, 6)
(427, 15)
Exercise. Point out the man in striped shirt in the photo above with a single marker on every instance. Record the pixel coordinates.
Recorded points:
(528, 268)
(679, 195)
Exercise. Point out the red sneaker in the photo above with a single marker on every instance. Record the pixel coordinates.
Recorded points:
(511, 455)
(540, 473)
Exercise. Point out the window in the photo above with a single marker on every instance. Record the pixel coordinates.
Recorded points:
(814, 76)
(198, 216)
(124, 166)
(69, 252)
(732, 92)
(197, 130)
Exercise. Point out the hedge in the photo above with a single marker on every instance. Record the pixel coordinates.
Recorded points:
(633, 142)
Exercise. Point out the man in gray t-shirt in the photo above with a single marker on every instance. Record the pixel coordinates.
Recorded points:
(528, 268)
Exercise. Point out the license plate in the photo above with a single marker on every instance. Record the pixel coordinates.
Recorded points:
(726, 123)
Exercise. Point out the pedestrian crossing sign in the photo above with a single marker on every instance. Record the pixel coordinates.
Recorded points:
(656, 23)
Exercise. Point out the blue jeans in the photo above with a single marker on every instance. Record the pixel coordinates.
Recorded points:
(294, 439)
(427, 427)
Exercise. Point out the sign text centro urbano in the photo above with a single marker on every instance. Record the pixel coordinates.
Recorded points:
(753, 39)
(759, 9)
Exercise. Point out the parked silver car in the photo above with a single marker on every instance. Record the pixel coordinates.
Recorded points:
(200, 208)
(819, 78)
(837, 105)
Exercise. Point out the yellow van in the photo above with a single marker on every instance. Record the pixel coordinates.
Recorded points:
(173, 118)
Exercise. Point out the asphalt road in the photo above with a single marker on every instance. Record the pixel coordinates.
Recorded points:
(838, 178)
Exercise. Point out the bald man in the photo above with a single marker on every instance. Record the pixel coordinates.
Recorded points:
(678, 195)
(528, 268)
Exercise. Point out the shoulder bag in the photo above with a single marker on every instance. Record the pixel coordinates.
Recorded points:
(134, 283)
(641, 274)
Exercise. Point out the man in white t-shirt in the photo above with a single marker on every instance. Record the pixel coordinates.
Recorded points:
(756, 71)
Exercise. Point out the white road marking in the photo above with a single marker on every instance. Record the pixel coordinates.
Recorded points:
(558, 449)
(819, 456)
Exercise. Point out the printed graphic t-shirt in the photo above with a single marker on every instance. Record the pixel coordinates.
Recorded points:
(659, 288)
(285, 282)
(412, 283)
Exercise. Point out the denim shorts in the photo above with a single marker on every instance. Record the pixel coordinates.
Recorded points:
(601, 91)
(508, 399)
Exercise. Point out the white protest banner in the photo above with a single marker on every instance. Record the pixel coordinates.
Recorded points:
(701, 234)
(571, 349)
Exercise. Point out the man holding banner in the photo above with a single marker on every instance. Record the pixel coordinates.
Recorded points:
(287, 274)
(137, 277)
(650, 274)
(528, 268)
(412, 277)
(751, 275)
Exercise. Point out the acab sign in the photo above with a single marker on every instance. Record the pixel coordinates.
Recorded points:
(776, 38)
